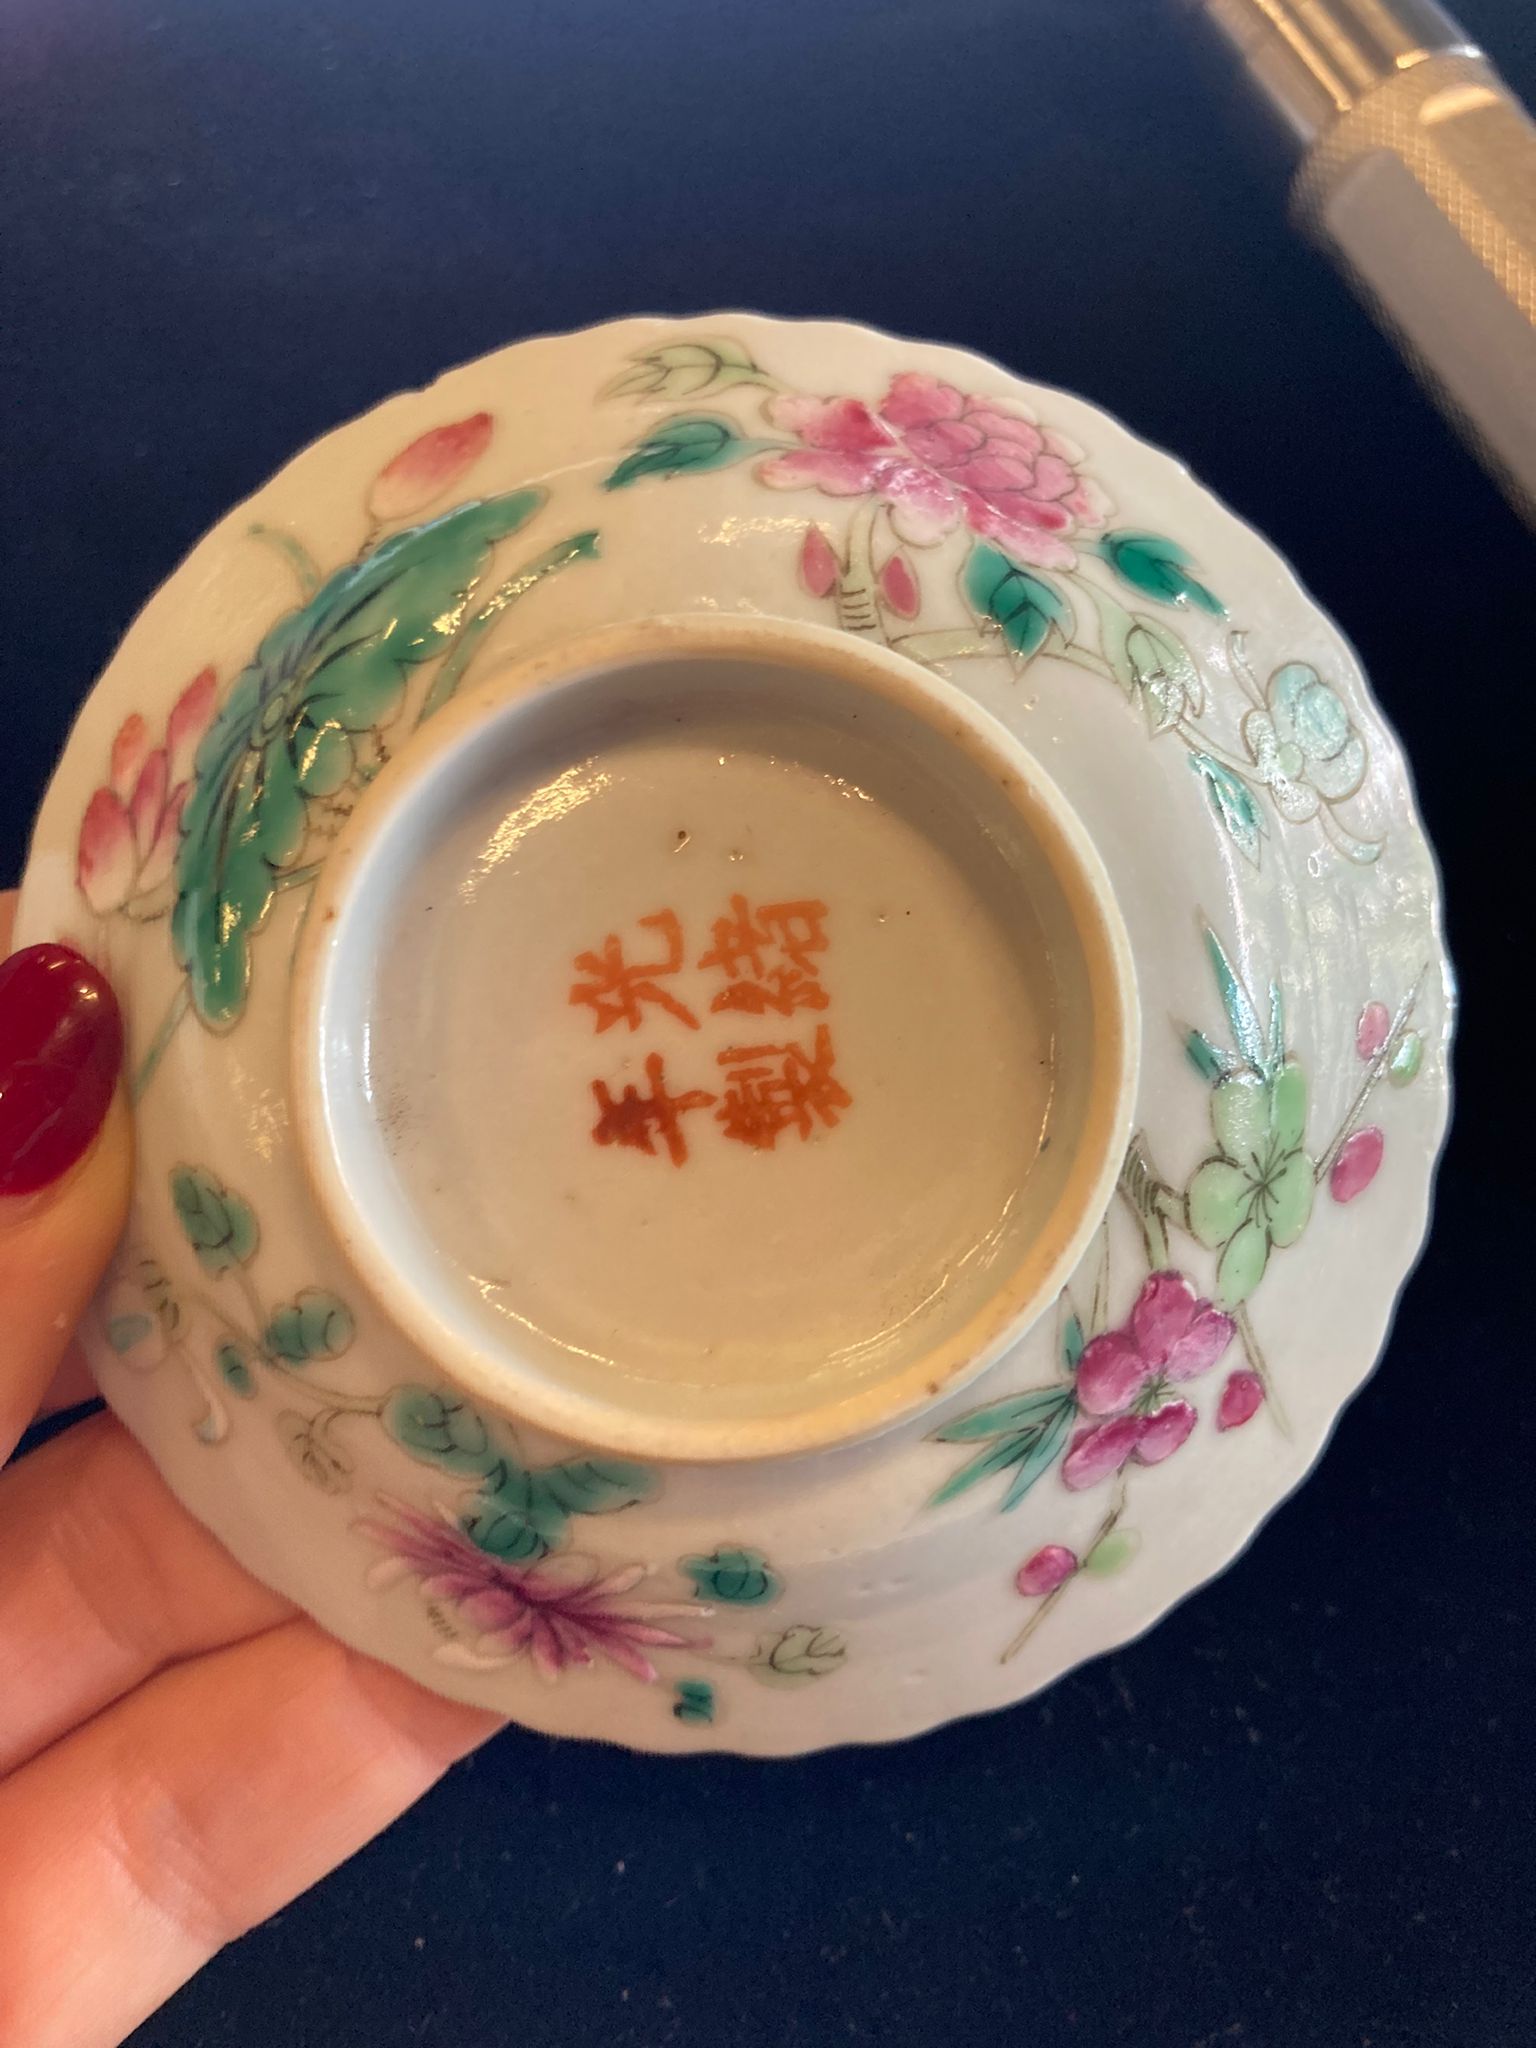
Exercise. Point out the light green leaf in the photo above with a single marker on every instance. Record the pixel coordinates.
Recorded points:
(682, 369)
(1014, 1412)
(1047, 1448)
(324, 675)
(1203, 1057)
(1112, 1553)
(218, 1224)
(1231, 801)
(1072, 1342)
(234, 1370)
(736, 1576)
(123, 1332)
(314, 1325)
(1234, 998)
(440, 1429)
(798, 1655)
(1241, 1266)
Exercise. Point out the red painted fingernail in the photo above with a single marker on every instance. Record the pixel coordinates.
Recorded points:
(61, 1045)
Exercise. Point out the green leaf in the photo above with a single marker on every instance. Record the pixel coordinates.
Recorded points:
(1276, 1027)
(577, 547)
(234, 1371)
(682, 369)
(123, 1332)
(590, 1486)
(218, 1225)
(327, 673)
(1021, 602)
(1406, 1060)
(738, 1577)
(688, 441)
(1158, 567)
(1112, 1553)
(1015, 1412)
(1204, 1058)
(508, 1532)
(1235, 1001)
(440, 1430)
(798, 1655)
(695, 1702)
(1072, 1342)
(1044, 1453)
(313, 1453)
(1231, 800)
(315, 1325)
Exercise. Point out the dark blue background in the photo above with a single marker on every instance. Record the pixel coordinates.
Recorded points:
(1300, 1813)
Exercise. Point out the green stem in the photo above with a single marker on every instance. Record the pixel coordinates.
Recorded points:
(294, 553)
(1373, 1074)
(1117, 1509)
(334, 1397)
(1260, 1365)
(169, 1023)
(577, 547)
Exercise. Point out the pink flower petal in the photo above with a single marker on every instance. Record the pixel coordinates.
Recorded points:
(1011, 429)
(924, 508)
(1241, 1399)
(1098, 1451)
(1357, 1163)
(107, 859)
(1371, 1031)
(1046, 1570)
(819, 566)
(945, 443)
(148, 800)
(427, 467)
(1053, 477)
(898, 586)
(1110, 1374)
(917, 400)
(1163, 1431)
(1201, 1345)
(128, 751)
(1024, 543)
(190, 718)
(839, 475)
(1165, 1308)
(1088, 505)
(842, 426)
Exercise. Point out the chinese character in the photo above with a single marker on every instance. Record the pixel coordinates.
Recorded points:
(773, 1088)
(741, 941)
(638, 1120)
(617, 989)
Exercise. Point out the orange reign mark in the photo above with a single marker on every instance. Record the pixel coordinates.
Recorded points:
(794, 930)
(617, 990)
(774, 1088)
(638, 1120)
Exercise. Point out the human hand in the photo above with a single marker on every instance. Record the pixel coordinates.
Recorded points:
(180, 1753)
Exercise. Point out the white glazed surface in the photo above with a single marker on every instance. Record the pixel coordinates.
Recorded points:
(870, 1614)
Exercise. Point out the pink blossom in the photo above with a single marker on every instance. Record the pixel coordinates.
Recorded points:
(1049, 1568)
(132, 824)
(555, 1612)
(819, 566)
(1356, 1166)
(898, 587)
(1375, 1021)
(1241, 1399)
(427, 467)
(939, 458)
(1124, 1378)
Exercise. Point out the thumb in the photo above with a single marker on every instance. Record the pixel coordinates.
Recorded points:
(65, 1159)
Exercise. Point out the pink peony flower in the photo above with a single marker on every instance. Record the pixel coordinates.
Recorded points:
(1049, 1568)
(556, 1612)
(1124, 1377)
(1241, 1399)
(938, 458)
(132, 824)
(424, 470)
